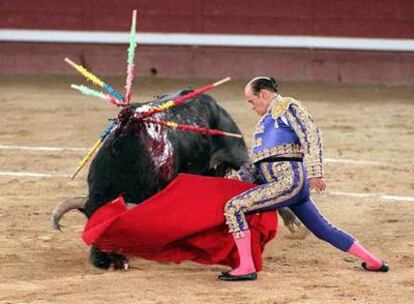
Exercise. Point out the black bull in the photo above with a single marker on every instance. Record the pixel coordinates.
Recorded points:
(139, 159)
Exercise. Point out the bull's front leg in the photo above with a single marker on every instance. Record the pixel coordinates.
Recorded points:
(104, 260)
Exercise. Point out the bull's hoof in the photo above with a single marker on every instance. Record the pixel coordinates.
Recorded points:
(292, 227)
(384, 268)
(99, 259)
(103, 260)
(119, 262)
(299, 233)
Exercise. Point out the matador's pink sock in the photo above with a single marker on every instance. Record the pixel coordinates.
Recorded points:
(372, 261)
(245, 252)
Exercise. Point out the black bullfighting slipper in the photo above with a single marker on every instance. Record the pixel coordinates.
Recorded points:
(226, 276)
(384, 268)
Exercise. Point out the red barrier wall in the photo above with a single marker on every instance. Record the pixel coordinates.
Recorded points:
(339, 18)
(353, 18)
(300, 65)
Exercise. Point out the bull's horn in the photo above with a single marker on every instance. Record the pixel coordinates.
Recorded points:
(77, 202)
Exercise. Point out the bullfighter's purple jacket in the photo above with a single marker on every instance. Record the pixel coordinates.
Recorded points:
(286, 130)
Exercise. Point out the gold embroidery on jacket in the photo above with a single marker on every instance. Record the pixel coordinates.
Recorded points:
(260, 128)
(257, 142)
(285, 150)
(276, 109)
(282, 105)
(310, 139)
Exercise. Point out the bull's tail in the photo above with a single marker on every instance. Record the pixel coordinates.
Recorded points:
(66, 205)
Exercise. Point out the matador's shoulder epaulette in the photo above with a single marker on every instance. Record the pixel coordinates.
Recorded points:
(282, 105)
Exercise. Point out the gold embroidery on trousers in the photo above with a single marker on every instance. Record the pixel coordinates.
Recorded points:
(266, 173)
(271, 193)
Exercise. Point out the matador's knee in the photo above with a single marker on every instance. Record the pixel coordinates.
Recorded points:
(235, 218)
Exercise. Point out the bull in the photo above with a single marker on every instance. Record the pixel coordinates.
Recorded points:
(140, 159)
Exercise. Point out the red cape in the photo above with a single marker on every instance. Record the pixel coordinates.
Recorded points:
(184, 221)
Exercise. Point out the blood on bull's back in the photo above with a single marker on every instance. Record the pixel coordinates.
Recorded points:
(141, 158)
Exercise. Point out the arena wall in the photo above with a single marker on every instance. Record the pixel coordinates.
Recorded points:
(389, 19)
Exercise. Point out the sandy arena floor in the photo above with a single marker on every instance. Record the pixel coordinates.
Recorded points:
(374, 125)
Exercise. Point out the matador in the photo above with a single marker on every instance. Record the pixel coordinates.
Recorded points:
(286, 159)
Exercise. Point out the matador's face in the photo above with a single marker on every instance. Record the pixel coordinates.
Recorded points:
(261, 102)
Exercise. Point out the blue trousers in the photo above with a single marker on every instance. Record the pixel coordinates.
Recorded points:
(284, 185)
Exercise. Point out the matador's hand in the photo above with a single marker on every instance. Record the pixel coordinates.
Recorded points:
(317, 183)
